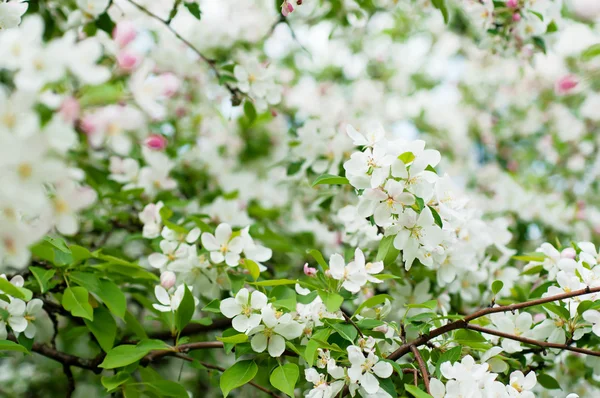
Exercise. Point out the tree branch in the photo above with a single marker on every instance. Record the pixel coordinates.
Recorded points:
(194, 328)
(464, 323)
(236, 94)
(526, 340)
(350, 321)
(422, 366)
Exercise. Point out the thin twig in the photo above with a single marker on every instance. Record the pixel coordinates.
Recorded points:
(194, 328)
(236, 94)
(70, 381)
(539, 343)
(350, 321)
(422, 366)
(414, 373)
(463, 323)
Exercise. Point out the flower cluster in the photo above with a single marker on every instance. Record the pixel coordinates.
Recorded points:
(467, 378)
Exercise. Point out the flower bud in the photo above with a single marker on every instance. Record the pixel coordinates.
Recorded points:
(516, 17)
(170, 84)
(309, 271)
(128, 61)
(566, 84)
(286, 8)
(156, 142)
(69, 109)
(512, 3)
(569, 252)
(167, 279)
(124, 33)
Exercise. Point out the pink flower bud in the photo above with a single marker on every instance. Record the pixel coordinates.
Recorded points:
(156, 142)
(569, 252)
(512, 3)
(128, 61)
(566, 84)
(170, 84)
(124, 33)
(309, 271)
(69, 109)
(516, 17)
(286, 8)
(539, 317)
(88, 125)
(167, 279)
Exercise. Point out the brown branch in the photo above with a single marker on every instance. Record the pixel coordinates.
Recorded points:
(236, 94)
(464, 323)
(70, 381)
(194, 328)
(64, 358)
(422, 366)
(539, 343)
(201, 345)
(350, 321)
(414, 373)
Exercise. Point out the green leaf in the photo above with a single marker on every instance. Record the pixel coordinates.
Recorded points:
(15, 291)
(533, 256)
(250, 111)
(7, 345)
(275, 282)
(75, 300)
(252, 267)
(441, 5)
(42, 276)
(194, 9)
(168, 388)
(213, 306)
(112, 382)
(124, 355)
(548, 382)
(552, 27)
(101, 95)
(347, 331)
(313, 344)
(314, 253)
(591, 52)
(406, 157)
(135, 326)
(387, 252)
(416, 392)
(113, 297)
(236, 376)
(284, 378)
(103, 327)
(539, 43)
(497, 286)
(366, 323)
(79, 253)
(103, 22)
(235, 339)
(185, 311)
(431, 305)
(436, 217)
(562, 312)
(584, 306)
(330, 179)
(373, 301)
(332, 301)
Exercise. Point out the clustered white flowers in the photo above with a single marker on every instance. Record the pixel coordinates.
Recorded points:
(469, 379)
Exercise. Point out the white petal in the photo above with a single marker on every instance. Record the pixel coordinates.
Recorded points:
(230, 308)
(369, 383)
(161, 295)
(276, 345)
(259, 342)
(383, 369)
(223, 233)
(193, 235)
(157, 260)
(209, 242)
(258, 300)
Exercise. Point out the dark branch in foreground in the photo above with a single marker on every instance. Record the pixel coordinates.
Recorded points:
(422, 366)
